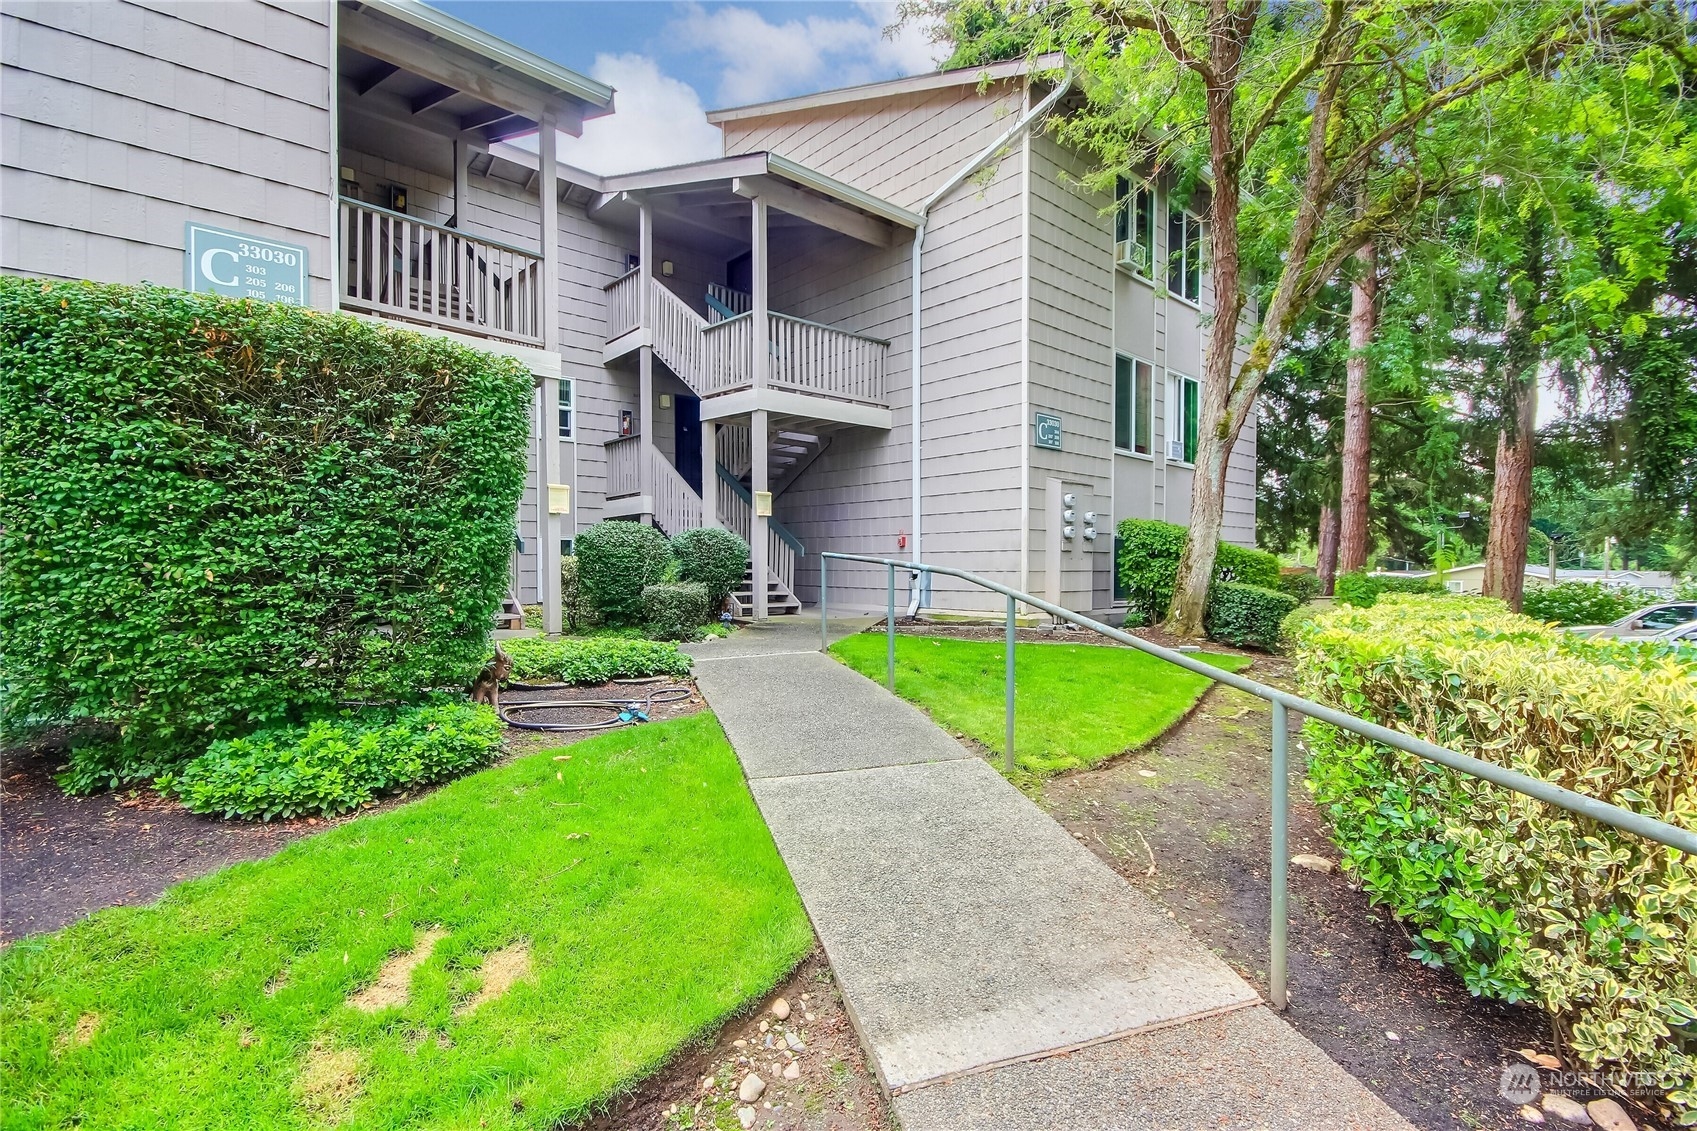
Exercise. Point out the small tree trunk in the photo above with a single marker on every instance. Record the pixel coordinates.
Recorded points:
(1327, 565)
(1511, 493)
(1357, 419)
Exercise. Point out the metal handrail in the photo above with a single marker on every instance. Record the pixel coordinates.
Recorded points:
(1638, 824)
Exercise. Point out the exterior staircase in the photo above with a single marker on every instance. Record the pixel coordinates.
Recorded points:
(713, 356)
(779, 600)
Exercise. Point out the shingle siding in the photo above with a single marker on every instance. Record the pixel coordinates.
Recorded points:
(125, 120)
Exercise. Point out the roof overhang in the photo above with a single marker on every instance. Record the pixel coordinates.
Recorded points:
(786, 185)
(406, 60)
(705, 194)
(915, 84)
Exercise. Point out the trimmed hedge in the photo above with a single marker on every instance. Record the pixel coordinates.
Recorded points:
(1522, 900)
(1299, 583)
(715, 557)
(675, 610)
(1148, 565)
(616, 561)
(1582, 602)
(219, 515)
(1362, 589)
(1246, 616)
(592, 659)
(333, 765)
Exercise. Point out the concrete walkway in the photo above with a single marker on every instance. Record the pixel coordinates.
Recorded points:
(1000, 975)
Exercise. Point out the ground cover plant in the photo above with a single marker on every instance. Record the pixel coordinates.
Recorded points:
(592, 659)
(1076, 704)
(1523, 901)
(336, 764)
(568, 922)
(220, 515)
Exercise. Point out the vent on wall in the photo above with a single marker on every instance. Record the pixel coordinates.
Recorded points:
(1175, 450)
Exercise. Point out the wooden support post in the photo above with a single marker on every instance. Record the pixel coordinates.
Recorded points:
(709, 473)
(645, 353)
(759, 485)
(759, 438)
(548, 471)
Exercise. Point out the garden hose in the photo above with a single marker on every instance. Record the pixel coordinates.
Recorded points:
(619, 712)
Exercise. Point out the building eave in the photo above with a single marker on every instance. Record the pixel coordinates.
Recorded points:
(557, 80)
(891, 88)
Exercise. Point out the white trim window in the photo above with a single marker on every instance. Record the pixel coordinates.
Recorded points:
(1134, 414)
(568, 410)
(1184, 415)
(1134, 226)
(1184, 255)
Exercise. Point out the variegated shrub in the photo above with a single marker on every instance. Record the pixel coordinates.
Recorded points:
(1521, 899)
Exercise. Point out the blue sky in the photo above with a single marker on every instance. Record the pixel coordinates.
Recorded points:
(671, 61)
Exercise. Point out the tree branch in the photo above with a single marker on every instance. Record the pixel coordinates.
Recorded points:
(1322, 47)
(1547, 47)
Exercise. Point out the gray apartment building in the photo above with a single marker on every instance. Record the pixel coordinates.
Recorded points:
(729, 342)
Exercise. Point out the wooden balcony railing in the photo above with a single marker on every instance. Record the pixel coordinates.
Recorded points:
(401, 267)
(813, 358)
(624, 309)
(624, 467)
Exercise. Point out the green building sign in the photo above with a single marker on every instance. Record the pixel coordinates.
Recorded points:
(1046, 431)
(228, 263)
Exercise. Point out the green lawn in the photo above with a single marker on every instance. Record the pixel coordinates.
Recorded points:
(1075, 704)
(638, 873)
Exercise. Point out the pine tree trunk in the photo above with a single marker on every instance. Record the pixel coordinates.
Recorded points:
(1357, 419)
(1327, 566)
(1511, 493)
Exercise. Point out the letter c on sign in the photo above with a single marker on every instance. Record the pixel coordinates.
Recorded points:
(206, 267)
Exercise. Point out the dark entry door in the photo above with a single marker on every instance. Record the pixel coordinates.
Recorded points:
(688, 436)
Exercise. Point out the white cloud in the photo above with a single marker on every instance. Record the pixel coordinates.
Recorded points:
(656, 121)
(764, 60)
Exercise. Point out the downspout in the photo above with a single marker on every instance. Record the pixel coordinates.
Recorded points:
(955, 180)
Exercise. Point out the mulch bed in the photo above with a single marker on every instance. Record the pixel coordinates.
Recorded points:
(67, 857)
(1186, 822)
(834, 1089)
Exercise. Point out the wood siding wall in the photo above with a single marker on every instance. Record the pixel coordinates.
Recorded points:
(121, 121)
(857, 497)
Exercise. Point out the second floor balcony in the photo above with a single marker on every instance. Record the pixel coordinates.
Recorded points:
(401, 267)
(714, 356)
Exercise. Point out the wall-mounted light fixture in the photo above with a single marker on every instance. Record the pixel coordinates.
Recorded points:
(667, 267)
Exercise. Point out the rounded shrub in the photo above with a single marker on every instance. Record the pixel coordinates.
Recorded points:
(675, 610)
(1355, 588)
(616, 561)
(1299, 583)
(579, 613)
(1246, 616)
(218, 515)
(715, 557)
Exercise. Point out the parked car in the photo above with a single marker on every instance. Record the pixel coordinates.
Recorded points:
(1684, 635)
(1645, 622)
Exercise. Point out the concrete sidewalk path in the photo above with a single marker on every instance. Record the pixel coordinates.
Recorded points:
(1000, 975)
